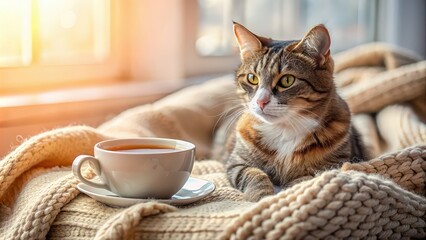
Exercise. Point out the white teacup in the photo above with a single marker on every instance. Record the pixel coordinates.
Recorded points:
(139, 167)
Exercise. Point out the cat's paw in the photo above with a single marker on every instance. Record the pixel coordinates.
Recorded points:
(254, 195)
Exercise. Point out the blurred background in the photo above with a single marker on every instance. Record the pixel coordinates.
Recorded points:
(67, 62)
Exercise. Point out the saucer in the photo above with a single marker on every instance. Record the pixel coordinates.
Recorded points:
(194, 189)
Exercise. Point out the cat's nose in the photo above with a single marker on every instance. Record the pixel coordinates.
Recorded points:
(262, 97)
(262, 102)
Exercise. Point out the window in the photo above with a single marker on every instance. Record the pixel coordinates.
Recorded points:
(80, 33)
(53, 32)
(351, 22)
(15, 42)
(53, 42)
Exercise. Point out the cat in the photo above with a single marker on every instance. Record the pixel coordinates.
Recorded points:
(294, 124)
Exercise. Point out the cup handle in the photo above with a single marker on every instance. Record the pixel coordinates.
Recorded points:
(94, 163)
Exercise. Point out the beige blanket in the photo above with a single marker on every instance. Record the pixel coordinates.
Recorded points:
(382, 198)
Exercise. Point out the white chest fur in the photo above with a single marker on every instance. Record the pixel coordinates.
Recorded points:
(284, 138)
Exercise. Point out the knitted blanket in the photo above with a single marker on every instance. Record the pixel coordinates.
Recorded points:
(384, 197)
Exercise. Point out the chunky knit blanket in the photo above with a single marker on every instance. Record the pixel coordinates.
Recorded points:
(384, 197)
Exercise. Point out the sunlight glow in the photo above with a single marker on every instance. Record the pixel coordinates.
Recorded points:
(73, 31)
(15, 37)
(68, 19)
(54, 32)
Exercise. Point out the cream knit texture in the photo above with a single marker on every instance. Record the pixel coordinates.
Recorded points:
(381, 198)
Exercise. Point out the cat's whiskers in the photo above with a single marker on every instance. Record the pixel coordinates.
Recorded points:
(306, 110)
(227, 101)
(232, 101)
(226, 98)
(232, 119)
(282, 112)
(228, 109)
(279, 111)
(222, 115)
(228, 112)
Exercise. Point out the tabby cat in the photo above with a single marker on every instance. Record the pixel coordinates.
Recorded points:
(295, 123)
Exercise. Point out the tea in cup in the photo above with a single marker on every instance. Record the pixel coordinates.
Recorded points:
(139, 167)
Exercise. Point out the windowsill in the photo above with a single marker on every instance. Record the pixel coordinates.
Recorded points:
(84, 94)
(125, 90)
(85, 105)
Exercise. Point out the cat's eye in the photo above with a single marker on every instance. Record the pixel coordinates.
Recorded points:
(252, 79)
(286, 81)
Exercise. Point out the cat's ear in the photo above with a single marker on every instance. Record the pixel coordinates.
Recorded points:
(248, 43)
(316, 44)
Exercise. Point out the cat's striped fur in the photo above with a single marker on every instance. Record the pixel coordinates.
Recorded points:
(287, 133)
